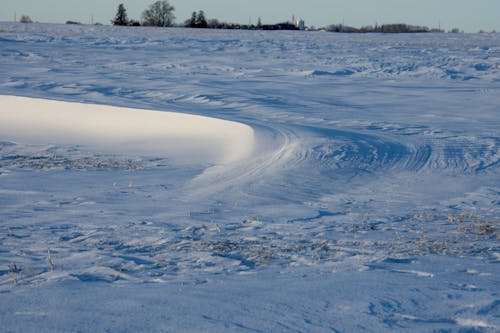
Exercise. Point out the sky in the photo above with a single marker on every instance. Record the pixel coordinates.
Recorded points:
(467, 15)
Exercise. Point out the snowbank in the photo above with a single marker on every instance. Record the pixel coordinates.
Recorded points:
(182, 137)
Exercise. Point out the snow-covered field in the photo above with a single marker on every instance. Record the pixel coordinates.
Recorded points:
(349, 182)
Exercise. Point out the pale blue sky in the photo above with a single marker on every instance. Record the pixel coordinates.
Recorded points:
(469, 15)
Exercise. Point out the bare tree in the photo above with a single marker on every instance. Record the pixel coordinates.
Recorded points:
(159, 14)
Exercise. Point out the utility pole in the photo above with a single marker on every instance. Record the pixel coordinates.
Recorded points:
(15, 16)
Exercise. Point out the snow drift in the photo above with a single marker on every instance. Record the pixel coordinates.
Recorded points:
(182, 137)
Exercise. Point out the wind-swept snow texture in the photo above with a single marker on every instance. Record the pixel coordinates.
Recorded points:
(369, 200)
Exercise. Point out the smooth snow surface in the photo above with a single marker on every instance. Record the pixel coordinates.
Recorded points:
(178, 136)
(362, 193)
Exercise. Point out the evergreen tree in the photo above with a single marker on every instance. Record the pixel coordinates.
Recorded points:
(121, 16)
(192, 21)
(201, 21)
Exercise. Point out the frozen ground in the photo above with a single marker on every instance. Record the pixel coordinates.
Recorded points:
(371, 201)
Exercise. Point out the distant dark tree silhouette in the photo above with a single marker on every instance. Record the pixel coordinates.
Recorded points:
(198, 20)
(191, 23)
(385, 28)
(280, 26)
(159, 14)
(201, 21)
(121, 16)
(259, 23)
(25, 19)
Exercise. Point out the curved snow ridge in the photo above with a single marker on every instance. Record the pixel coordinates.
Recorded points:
(184, 138)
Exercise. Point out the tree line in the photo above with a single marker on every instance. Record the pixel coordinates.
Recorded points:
(161, 14)
(384, 28)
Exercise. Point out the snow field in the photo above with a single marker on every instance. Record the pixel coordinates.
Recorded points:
(368, 200)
